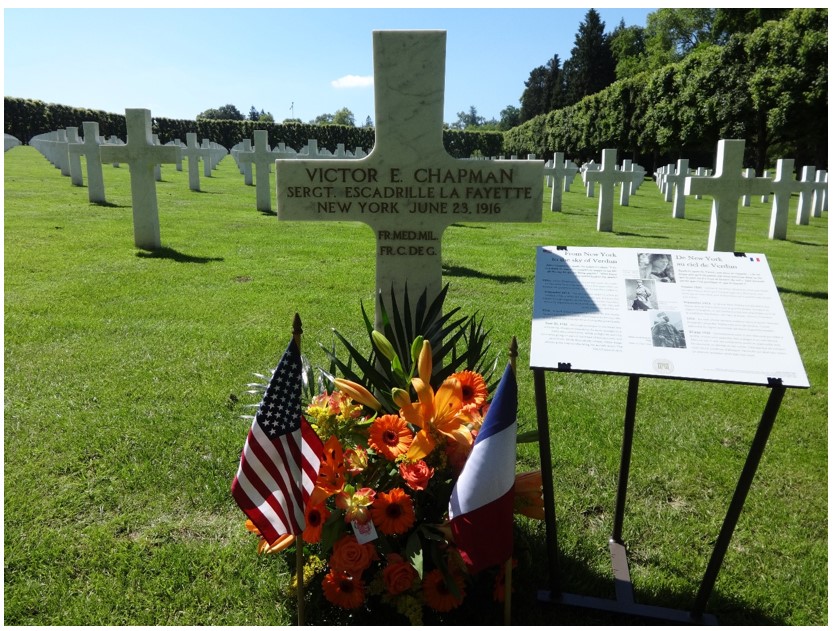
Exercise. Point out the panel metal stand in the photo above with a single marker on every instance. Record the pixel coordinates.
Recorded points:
(625, 602)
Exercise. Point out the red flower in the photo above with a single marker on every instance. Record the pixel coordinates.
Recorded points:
(315, 515)
(416, 474)
(399, 575)
(351, 556)
(343, 590)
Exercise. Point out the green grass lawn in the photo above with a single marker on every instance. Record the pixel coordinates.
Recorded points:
(126, 372)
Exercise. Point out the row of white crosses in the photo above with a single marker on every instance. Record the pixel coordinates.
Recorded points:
(9, 142)
(732, 185)
(261, 157)
(63, 148)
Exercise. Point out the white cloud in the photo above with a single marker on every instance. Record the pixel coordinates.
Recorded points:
(352, 81)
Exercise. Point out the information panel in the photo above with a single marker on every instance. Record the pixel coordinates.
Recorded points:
(687, 314)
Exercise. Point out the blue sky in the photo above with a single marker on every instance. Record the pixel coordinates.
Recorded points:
(298, 62)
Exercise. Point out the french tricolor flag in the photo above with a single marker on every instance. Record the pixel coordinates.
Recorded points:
(481, 504)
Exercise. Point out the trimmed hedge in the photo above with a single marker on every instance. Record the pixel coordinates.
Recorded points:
(26, 118)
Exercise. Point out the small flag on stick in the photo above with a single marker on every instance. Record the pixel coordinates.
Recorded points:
(279, 463)
(481, 504)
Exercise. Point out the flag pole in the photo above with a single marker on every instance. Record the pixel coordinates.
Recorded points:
(507, 583)
(297, 330)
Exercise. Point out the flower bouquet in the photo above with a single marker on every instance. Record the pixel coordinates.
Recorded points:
(397, 428)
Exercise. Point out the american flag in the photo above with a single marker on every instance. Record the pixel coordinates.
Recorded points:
(279, 463)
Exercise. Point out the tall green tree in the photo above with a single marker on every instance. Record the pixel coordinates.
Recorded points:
(468, 120)
(591, 67)
(731, 21)
(226, 112)
(344, 117)
(534, 98)
(510, 116)
(627, 44)
(671, 34)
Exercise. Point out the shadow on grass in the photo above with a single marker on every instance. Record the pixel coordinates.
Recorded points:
(268, 213)
(480, 608)
(205, 192)
(172, 255)
(107, 205)
(468, 226)
(456, 270)
(641, 236)
(808, 243)
(818, 295)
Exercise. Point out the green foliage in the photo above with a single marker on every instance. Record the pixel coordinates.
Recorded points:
(344, 117)
(768, 87)
(226, 112)
(468, 120)
(389, 360)
(591, 66)
(627, 44)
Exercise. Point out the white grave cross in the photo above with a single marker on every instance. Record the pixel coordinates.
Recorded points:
(607, 177)
(262, 157)
(726, 187)
(193, 153)
(89, 149)
(409, 189)
(556, 169)
(142, 155)
(782, 188)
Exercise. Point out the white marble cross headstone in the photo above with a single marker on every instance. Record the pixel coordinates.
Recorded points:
(675, 181)
(141, 155)
(73, 158)
(570, 168)
(782, 189)
(556, 171)
(262, 157)
(820, 192)
(246, 167)
(409, 189)
(193, 153)
(625, 191)
(726, 187)
(607, 177)
(746, 200)
(806, 188)
(92, 156)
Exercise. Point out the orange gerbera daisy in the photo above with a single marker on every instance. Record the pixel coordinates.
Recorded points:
(393, 513)
(437, 594)
(315, 515)
(344, 591)
(390, 436)
(440, 413)
(474, 387)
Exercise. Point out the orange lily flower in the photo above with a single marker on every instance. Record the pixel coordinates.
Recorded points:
(283, 542)
(330, 472)
(529, 495)
(440, 413)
